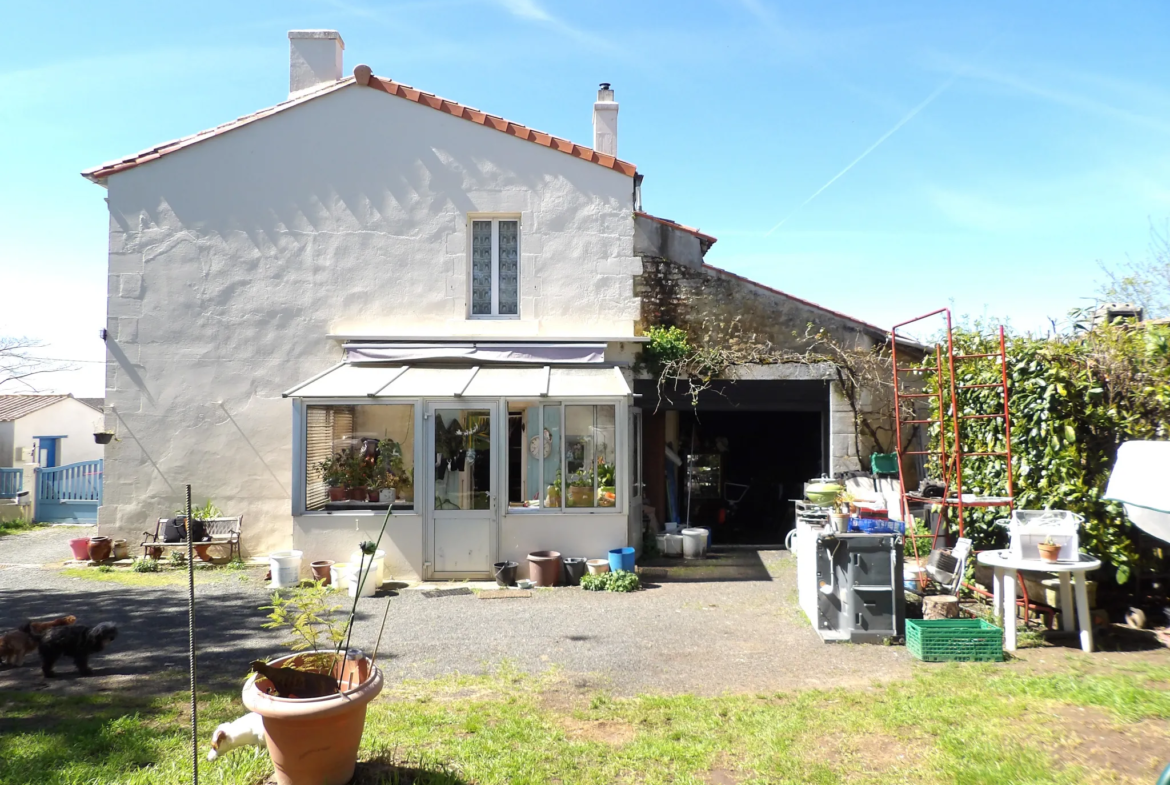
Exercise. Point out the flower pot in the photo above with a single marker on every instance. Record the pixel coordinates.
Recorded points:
(202, 551)
(552, 496)
(100, 548)
(322, 571)
(597, 566)
(336, 493)
(574, 569)
(314, 741)
(373, 495)
(607, 496)
(505, 572)
(80, 548)
(580, 496)
(356, 494)
(121, 549)
(1049, 552)
(154, 552)
(840, 521)
(386, 495)
(103, 438)
(544, 567)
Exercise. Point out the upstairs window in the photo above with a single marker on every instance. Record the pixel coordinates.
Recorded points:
(495, 267)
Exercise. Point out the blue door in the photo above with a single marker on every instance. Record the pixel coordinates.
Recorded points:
(48, 451)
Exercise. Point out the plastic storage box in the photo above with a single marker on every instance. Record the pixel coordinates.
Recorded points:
(876, 526)
(954, 640)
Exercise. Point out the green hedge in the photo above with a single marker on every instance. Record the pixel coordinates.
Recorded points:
(1073, 400)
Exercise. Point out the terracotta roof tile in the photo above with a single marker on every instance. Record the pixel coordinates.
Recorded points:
(99, 173)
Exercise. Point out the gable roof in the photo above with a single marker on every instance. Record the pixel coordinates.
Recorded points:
(13, 407)
(363, 77)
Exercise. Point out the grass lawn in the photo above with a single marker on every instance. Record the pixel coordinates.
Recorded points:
(166, 576)
(1086, 721)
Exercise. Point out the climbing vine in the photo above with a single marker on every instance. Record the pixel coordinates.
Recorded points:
(1073, 400)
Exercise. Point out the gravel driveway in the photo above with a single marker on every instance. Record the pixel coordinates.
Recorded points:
(721, 626)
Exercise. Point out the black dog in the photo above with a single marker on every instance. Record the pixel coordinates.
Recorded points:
(76, 641)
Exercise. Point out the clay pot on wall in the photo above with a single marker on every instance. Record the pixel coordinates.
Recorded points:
(100, 548)
(314, 741)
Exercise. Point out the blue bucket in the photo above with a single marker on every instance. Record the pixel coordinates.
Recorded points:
(621, 559)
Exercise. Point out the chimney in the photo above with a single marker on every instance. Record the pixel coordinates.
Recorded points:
(605, 113)
(314, 59)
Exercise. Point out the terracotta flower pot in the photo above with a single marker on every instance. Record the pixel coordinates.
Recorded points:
(1049, 552)
(322, 570)
(356, 494)
(314, 741)
(100, 548)
(336, 493)
(544, 567)
(80, 548)
(373, 494)
(121, 549)
(202, 552)
(154, 552)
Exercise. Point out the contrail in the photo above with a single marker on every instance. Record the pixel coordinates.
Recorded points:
(909, 116)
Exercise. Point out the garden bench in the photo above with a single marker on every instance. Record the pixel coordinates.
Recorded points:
(222, 531)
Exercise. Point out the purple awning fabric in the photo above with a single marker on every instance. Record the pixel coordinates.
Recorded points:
(535, 353)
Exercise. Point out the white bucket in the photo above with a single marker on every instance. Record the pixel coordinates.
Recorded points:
(374, 569)
(337, 575)
(352, 580)
(672, 545)
(661, 539)
(694, 543)
(379, 562)
(285, 567)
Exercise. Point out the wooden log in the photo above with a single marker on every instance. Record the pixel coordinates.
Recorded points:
(940, 606)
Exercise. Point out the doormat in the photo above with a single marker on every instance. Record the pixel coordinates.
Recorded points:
(446, 592)
(504, 594)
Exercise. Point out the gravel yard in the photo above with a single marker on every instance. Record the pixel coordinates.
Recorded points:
(730, 624)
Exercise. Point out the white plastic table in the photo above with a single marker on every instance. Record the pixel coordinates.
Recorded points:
(1006, 566)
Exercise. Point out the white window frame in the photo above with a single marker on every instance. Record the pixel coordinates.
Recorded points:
(495, 219)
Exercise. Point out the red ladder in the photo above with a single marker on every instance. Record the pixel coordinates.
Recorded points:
(948, 464)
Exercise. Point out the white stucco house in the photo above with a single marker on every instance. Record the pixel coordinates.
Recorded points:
(48, 430)
(367, 297)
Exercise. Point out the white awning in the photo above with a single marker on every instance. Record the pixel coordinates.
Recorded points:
(405, 381)
(544, 353)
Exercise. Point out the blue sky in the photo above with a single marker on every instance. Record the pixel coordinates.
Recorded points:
(1029, 139)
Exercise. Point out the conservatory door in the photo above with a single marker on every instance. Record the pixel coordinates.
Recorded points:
(462, 525)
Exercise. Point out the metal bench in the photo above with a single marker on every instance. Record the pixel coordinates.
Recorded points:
(222, 531)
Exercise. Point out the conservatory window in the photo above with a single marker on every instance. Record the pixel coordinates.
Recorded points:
(495, 267)
(359, 457)
(561, 456)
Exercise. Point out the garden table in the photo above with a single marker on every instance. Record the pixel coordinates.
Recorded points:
(1006, 566)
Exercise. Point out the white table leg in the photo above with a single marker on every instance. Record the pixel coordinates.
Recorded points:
(1067, 622)
(997, 592)
(1009, 609)
(1084, 617)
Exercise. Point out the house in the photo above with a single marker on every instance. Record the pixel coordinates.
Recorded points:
(48, 430)
(369, 298)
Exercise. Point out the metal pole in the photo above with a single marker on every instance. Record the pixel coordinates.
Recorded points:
(191, 643)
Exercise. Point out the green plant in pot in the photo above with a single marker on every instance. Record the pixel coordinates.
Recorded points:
(606, 484)
(580, 489)
(313, 702)
(357, 475)
(332, 471)
(201, 515)
(1049, 550)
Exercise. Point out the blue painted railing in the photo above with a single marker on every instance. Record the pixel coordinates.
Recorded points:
(74, 482)
(11, 482)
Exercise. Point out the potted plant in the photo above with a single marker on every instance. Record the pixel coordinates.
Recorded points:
(840, 513)
(606, 484)
(552, 494)
(202, 514)
(313, 737)
(356, 476)
(332, 471)
(1049, 550)
(103, 437)
(581, 489)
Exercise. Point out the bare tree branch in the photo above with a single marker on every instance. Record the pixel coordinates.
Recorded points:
(20, 361)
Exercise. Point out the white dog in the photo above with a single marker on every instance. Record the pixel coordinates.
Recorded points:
(247, 731)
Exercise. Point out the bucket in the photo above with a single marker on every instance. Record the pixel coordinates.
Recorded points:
(674, 545)
(80, 548)
(910, 577)
(660, 539)
(544, 567)
(322, 571)
(337, 575)
(621, 559)
(377, 578)
(597, 566)
(285, 567)
(694, 543)
(574, 569)
(505, 572)
(352, 580)
(840, 521)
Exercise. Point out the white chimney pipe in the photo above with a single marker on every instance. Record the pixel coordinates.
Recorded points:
(314, 59)
(605, 116)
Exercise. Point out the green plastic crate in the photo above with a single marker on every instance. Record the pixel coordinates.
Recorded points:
(954, 640)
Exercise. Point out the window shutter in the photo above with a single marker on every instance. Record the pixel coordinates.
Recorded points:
(318, 447)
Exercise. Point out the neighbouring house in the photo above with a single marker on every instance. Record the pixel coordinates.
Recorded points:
(48, 430)
(369, 298)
